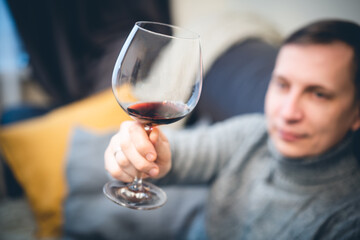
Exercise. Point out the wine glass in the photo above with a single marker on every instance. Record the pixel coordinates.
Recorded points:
(157, 80)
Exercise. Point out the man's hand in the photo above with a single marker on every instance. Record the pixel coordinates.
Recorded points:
(132, 152)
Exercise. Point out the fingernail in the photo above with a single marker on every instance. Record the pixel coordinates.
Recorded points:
(150, 156)
(153, 172)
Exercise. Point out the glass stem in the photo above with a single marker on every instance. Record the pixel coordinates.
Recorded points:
(148, 129)
(137, 184)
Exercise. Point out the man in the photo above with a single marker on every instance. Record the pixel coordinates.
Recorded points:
(290, 174)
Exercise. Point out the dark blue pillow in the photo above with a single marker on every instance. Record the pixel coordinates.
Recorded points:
(237, 81)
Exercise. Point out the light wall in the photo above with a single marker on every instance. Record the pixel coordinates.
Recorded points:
(286, 15)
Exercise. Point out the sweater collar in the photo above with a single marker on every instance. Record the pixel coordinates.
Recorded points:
(337, 162)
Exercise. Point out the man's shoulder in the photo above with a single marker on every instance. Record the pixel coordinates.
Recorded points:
(248, 125)
(245, 130)
(342, 223)
(251, 120)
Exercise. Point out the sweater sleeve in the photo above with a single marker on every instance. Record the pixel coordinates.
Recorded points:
(344, 224)
(199, 154)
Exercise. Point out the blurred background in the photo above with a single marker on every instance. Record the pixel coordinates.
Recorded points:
(56, 52)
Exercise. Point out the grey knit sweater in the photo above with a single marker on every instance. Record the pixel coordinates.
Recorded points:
(258, 194)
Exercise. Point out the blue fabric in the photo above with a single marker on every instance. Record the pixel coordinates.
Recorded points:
(19, 113)
(237, 82)
(9, 116)
(197, 230)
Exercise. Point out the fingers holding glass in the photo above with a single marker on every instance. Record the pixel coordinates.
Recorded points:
(133, 163)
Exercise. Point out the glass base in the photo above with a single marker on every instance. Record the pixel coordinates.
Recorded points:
(151, 197)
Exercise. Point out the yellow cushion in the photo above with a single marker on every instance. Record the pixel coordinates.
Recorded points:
(35, 151)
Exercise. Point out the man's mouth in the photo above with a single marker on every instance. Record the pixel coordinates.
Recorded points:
(290, 136)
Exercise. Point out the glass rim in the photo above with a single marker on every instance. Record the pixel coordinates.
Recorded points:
(193, 36)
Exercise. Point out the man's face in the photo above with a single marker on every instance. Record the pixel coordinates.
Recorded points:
(310, 103)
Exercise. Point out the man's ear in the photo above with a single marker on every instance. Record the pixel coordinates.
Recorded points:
(356, 125)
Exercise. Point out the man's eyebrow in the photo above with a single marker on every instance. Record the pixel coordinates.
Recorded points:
(309, 87)
(327, 92)
(279, 77)
(318, 87)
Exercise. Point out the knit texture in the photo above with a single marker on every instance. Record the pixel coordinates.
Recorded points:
(256, 193)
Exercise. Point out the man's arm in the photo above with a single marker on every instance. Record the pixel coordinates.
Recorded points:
(194, 156)
(198, 155)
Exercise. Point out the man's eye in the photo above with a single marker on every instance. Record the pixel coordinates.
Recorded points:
(321, 95)
(282, 85)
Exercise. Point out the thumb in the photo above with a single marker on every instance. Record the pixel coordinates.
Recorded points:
(162, 148)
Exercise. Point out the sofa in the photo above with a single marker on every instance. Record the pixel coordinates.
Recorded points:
(57, 157)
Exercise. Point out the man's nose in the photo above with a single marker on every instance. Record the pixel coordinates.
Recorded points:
(291, 110)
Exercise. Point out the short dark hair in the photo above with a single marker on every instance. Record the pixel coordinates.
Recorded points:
(330, 31)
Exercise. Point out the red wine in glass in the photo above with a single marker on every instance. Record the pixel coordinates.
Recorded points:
(158, 113)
